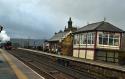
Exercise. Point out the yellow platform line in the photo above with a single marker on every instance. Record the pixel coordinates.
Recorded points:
(18, 72)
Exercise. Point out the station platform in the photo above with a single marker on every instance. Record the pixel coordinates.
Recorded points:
(12, 68)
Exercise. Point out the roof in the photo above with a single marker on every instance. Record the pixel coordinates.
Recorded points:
(59, 36)
(99, 26)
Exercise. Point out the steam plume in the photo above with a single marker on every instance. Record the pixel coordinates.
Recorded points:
(4, 37)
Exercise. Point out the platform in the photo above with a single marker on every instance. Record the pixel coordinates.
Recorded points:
(12, 68)
(91, 62)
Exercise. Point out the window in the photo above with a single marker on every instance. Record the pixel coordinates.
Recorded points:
(101, 53)
(81, 38)
(116, 41)
(106, 38)
(110, 59)
(116, 54)
(103, 38)
(111, 56)
(93, 37)
(101, 58)
(100, 38)
(90, 38)
(84, 38)
(78, 36)
(75, 39)
(111, 39)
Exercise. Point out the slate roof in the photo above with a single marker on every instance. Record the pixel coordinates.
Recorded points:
(99, 26)
(59, 36)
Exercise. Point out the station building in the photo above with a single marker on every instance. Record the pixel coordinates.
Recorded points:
(99, 41)
(63, 40)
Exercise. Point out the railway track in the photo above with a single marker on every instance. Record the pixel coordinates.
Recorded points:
(45, 67)
(34, 65)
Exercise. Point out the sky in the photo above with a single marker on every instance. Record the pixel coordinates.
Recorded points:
(40, 19)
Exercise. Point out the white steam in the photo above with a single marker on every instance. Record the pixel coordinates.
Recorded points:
(4, 37)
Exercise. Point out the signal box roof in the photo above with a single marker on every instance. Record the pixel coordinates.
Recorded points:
(99, 26)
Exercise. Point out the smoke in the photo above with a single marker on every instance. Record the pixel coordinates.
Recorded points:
(4, 37)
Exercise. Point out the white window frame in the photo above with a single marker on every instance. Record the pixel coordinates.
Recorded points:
(92, 38)
(108, 39)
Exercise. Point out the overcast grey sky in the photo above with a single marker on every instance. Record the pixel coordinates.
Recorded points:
(41, 18)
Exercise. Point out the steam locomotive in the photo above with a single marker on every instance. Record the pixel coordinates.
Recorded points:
(8, 45)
